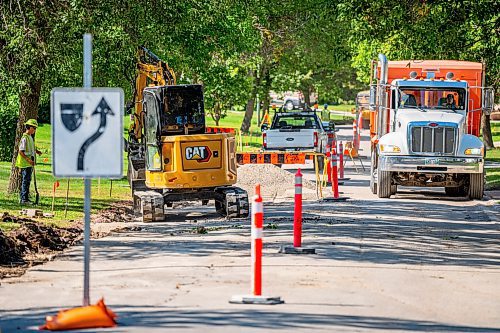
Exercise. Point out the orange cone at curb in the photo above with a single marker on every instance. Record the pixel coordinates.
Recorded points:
(91, 316)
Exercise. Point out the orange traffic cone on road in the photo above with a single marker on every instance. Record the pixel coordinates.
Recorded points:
(92, 316)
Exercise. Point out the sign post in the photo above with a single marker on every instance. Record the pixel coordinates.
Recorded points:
(87, 142)
(87, 83)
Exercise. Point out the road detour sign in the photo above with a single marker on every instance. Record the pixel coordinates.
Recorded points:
(87, 132)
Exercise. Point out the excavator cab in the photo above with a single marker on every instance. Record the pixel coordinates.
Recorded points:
(171, 158)
(182, 110)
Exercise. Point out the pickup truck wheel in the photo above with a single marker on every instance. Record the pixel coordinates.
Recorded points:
(384, 184)
(476, 186)
(373, 185)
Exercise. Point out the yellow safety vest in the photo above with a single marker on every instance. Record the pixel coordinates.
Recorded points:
(30, 151)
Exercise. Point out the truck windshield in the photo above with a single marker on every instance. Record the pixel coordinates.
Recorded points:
(295, 122)
(427, 98)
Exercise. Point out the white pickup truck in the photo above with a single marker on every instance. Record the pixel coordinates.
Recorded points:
(298, 131)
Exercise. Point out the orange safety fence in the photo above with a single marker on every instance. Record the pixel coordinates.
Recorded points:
(271, 158)
(214, 129)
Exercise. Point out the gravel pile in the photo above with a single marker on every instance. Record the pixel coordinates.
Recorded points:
(273, 180)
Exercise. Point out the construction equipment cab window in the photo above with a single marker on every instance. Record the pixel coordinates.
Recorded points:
(182, 110)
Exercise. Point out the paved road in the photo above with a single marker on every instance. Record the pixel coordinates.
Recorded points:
(417, 262)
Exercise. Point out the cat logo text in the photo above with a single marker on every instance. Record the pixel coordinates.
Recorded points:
(200, 153)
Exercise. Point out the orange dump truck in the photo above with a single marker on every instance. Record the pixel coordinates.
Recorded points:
(424, 123)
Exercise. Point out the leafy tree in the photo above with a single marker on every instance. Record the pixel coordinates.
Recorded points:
(225, 86)
(441, 29)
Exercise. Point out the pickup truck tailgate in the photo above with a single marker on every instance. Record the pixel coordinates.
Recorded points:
(290, 138)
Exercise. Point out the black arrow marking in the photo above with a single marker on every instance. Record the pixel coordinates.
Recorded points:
(102, 109)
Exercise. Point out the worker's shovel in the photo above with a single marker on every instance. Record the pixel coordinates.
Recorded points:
(37, 195)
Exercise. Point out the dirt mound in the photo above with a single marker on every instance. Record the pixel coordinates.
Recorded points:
(10, 252)
(120, 211)
(33, 238)
(35, 242)
(272, 179)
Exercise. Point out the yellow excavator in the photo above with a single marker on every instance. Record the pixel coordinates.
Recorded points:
(170, 156)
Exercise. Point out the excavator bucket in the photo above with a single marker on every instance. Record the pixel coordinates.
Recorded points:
(92, 316)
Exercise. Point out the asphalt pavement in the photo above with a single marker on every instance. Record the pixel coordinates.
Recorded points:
(418, 262)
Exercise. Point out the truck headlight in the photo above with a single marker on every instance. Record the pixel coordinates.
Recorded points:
(474, 151)
(390, 149)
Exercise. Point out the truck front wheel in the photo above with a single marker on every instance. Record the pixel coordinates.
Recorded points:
(384, 186)
(476, 186)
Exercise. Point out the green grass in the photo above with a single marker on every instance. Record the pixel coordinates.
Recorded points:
(493, 174)
(342, 107)
(100, 189)
(495, 130)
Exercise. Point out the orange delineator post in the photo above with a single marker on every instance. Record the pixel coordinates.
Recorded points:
(256, 251)
(329, 164)
(257, 226)
(297, 216)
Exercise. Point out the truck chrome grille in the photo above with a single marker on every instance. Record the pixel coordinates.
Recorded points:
(438, 140)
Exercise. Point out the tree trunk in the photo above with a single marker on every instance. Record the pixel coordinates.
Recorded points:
(28, 108)
(247, 119)
(307, 96)
(217, 114)
(486, 129)
(267, 87)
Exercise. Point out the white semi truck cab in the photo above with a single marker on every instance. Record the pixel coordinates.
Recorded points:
(425, 132)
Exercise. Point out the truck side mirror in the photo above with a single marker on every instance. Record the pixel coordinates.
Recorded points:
(264, 127)
(373, 97)
(488, 100)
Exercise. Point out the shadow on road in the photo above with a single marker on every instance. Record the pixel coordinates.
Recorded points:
(170, 318)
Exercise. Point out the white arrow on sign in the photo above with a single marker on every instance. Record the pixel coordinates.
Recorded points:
(87, 132)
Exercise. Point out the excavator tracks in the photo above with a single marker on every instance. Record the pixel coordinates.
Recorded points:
(148, 206)
(234, 203)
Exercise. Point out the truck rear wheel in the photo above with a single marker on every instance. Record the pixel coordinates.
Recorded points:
(476, 186)
(384, 187)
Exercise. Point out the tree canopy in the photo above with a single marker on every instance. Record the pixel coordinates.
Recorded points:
(238, 49)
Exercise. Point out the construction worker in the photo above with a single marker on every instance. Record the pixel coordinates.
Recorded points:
(26, 159)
